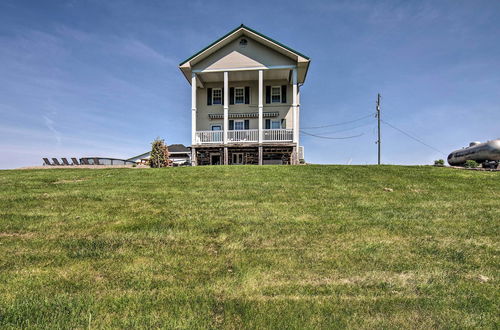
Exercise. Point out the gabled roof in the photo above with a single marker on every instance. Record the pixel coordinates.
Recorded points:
(177, 148)
(243, 26)
(302, 61)
(173, 149)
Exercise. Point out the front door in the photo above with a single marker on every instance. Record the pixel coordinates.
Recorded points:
(237, 158)
(215, 159)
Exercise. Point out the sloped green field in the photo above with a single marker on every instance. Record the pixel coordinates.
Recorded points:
(248, 246)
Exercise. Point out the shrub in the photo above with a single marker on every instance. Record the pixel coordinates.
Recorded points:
(439, 162)
(471, 164)
(159, 154)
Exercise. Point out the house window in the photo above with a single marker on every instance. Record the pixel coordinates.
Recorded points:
(217, 96)
(276, 94)
(239, 95)
(239, 125)
(216, 127)
(275, 124)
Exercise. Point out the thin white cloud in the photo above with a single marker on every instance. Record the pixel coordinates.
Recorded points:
(117, 45)
(49, 123)
(138, 49)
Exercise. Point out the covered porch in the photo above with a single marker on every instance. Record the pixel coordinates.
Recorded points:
(258, 107)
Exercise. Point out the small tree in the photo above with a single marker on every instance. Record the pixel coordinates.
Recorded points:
(159, 154)
(439, 162)
(471, 164)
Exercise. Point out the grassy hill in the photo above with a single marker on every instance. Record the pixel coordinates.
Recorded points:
(260, 247)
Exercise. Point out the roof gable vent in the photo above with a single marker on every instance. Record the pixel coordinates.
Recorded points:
(243, 42)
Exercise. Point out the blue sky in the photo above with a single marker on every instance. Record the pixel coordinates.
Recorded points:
(100, 78)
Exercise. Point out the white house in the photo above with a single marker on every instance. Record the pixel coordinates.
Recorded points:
(245, 100)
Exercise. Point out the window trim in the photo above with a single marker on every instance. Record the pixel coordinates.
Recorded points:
(275, 121)
(213, 97)
(279, 88)
(242, 121)
(234, 96)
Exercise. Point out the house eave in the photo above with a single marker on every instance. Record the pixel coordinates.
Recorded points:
(299, 58)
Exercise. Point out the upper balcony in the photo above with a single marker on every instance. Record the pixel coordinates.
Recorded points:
(244, 136)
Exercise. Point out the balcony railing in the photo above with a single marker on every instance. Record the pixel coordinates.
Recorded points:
(203, 137)
(277, 135)
(247, 135)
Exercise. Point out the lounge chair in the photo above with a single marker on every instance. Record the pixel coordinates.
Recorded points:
(75, 161)
(96, 161)
(56, 162)
(84, 161)
(65, 161)
(46, 162)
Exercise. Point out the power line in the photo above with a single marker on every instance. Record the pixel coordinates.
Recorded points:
(345, 129)
(331, 137)
(342, 123)
(412, 137)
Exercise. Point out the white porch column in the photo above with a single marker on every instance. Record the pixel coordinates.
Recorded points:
(193, 108)
(261, 103)
(294, 107)
(297, 118)
(226, 105)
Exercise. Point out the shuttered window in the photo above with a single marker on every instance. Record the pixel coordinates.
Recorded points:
(216, 96)
(239, 95)
(239, 125)
(276, 94)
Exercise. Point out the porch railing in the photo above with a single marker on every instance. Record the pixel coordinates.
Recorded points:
(248, 135)
(278, 135)
(209, 137)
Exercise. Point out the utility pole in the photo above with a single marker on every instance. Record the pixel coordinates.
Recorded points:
(378, 122)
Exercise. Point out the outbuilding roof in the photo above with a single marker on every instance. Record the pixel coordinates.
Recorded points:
(173, 149)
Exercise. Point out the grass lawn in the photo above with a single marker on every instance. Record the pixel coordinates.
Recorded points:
(249, 246)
